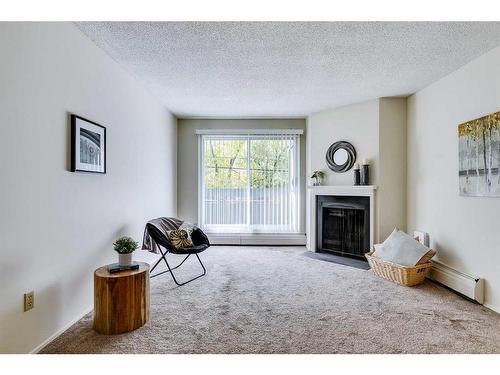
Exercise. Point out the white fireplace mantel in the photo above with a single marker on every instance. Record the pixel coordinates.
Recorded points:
(314, 191)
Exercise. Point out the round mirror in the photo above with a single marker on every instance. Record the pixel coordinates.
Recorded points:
(340, 156)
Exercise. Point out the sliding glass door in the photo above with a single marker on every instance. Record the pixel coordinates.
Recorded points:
(250, 183)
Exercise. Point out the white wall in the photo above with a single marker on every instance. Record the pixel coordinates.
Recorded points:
(357, 124)
(56, 227)
(377, 130)
(392, 165)
(464, 230)
(187, 160)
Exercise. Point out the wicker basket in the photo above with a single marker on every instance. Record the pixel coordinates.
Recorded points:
(403, 275)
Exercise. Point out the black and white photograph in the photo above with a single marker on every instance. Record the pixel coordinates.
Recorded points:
(88, 146)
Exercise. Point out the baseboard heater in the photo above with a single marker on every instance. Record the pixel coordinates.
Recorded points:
(466, 285)
(292, 239)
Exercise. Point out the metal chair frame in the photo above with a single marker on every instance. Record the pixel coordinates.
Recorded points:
(170, 269)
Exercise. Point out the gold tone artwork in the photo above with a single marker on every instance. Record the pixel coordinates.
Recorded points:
(479, 156)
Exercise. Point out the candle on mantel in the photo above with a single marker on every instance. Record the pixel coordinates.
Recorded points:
(366, 162)
(357, 178)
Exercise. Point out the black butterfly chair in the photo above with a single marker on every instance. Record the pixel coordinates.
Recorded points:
(159, 236)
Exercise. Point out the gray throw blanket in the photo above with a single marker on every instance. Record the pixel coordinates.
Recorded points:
(164, 224)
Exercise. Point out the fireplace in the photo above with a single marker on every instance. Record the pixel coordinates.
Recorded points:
(343, 225)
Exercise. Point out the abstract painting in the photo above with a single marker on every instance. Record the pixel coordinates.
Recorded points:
(88, 146)
(479, 156)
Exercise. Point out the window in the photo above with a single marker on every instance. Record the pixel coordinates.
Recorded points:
(250, 182)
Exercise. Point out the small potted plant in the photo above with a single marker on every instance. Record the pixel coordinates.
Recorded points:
(318, 178)
(125, 246)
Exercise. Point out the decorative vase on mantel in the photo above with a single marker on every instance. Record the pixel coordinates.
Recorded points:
(317, 178)
(365, 172)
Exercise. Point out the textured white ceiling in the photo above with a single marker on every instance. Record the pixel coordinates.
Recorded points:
(287, 69)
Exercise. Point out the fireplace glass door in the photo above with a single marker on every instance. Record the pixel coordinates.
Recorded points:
(343, 226)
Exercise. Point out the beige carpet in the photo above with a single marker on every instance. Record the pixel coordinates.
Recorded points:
(276, 300)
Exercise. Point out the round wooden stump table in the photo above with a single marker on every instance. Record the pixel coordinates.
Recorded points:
(121, 299)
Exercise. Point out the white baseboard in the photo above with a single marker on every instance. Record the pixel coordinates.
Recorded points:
(492, 307)
(292, 239)
(469, 286)
(61, 331)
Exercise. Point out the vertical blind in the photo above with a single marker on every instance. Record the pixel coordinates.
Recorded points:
(250, 182)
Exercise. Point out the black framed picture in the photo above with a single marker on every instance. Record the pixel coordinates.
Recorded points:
(88, 146)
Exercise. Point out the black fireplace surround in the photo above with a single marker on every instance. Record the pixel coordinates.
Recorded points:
(343, 225)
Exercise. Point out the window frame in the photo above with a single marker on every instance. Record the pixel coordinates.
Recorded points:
(248, 133)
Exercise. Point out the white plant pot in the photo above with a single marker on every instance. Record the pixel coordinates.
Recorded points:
(124, 259)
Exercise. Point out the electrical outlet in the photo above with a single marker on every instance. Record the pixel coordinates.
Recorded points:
(29, 300)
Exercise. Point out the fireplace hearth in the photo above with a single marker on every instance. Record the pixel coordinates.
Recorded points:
(343, 225)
